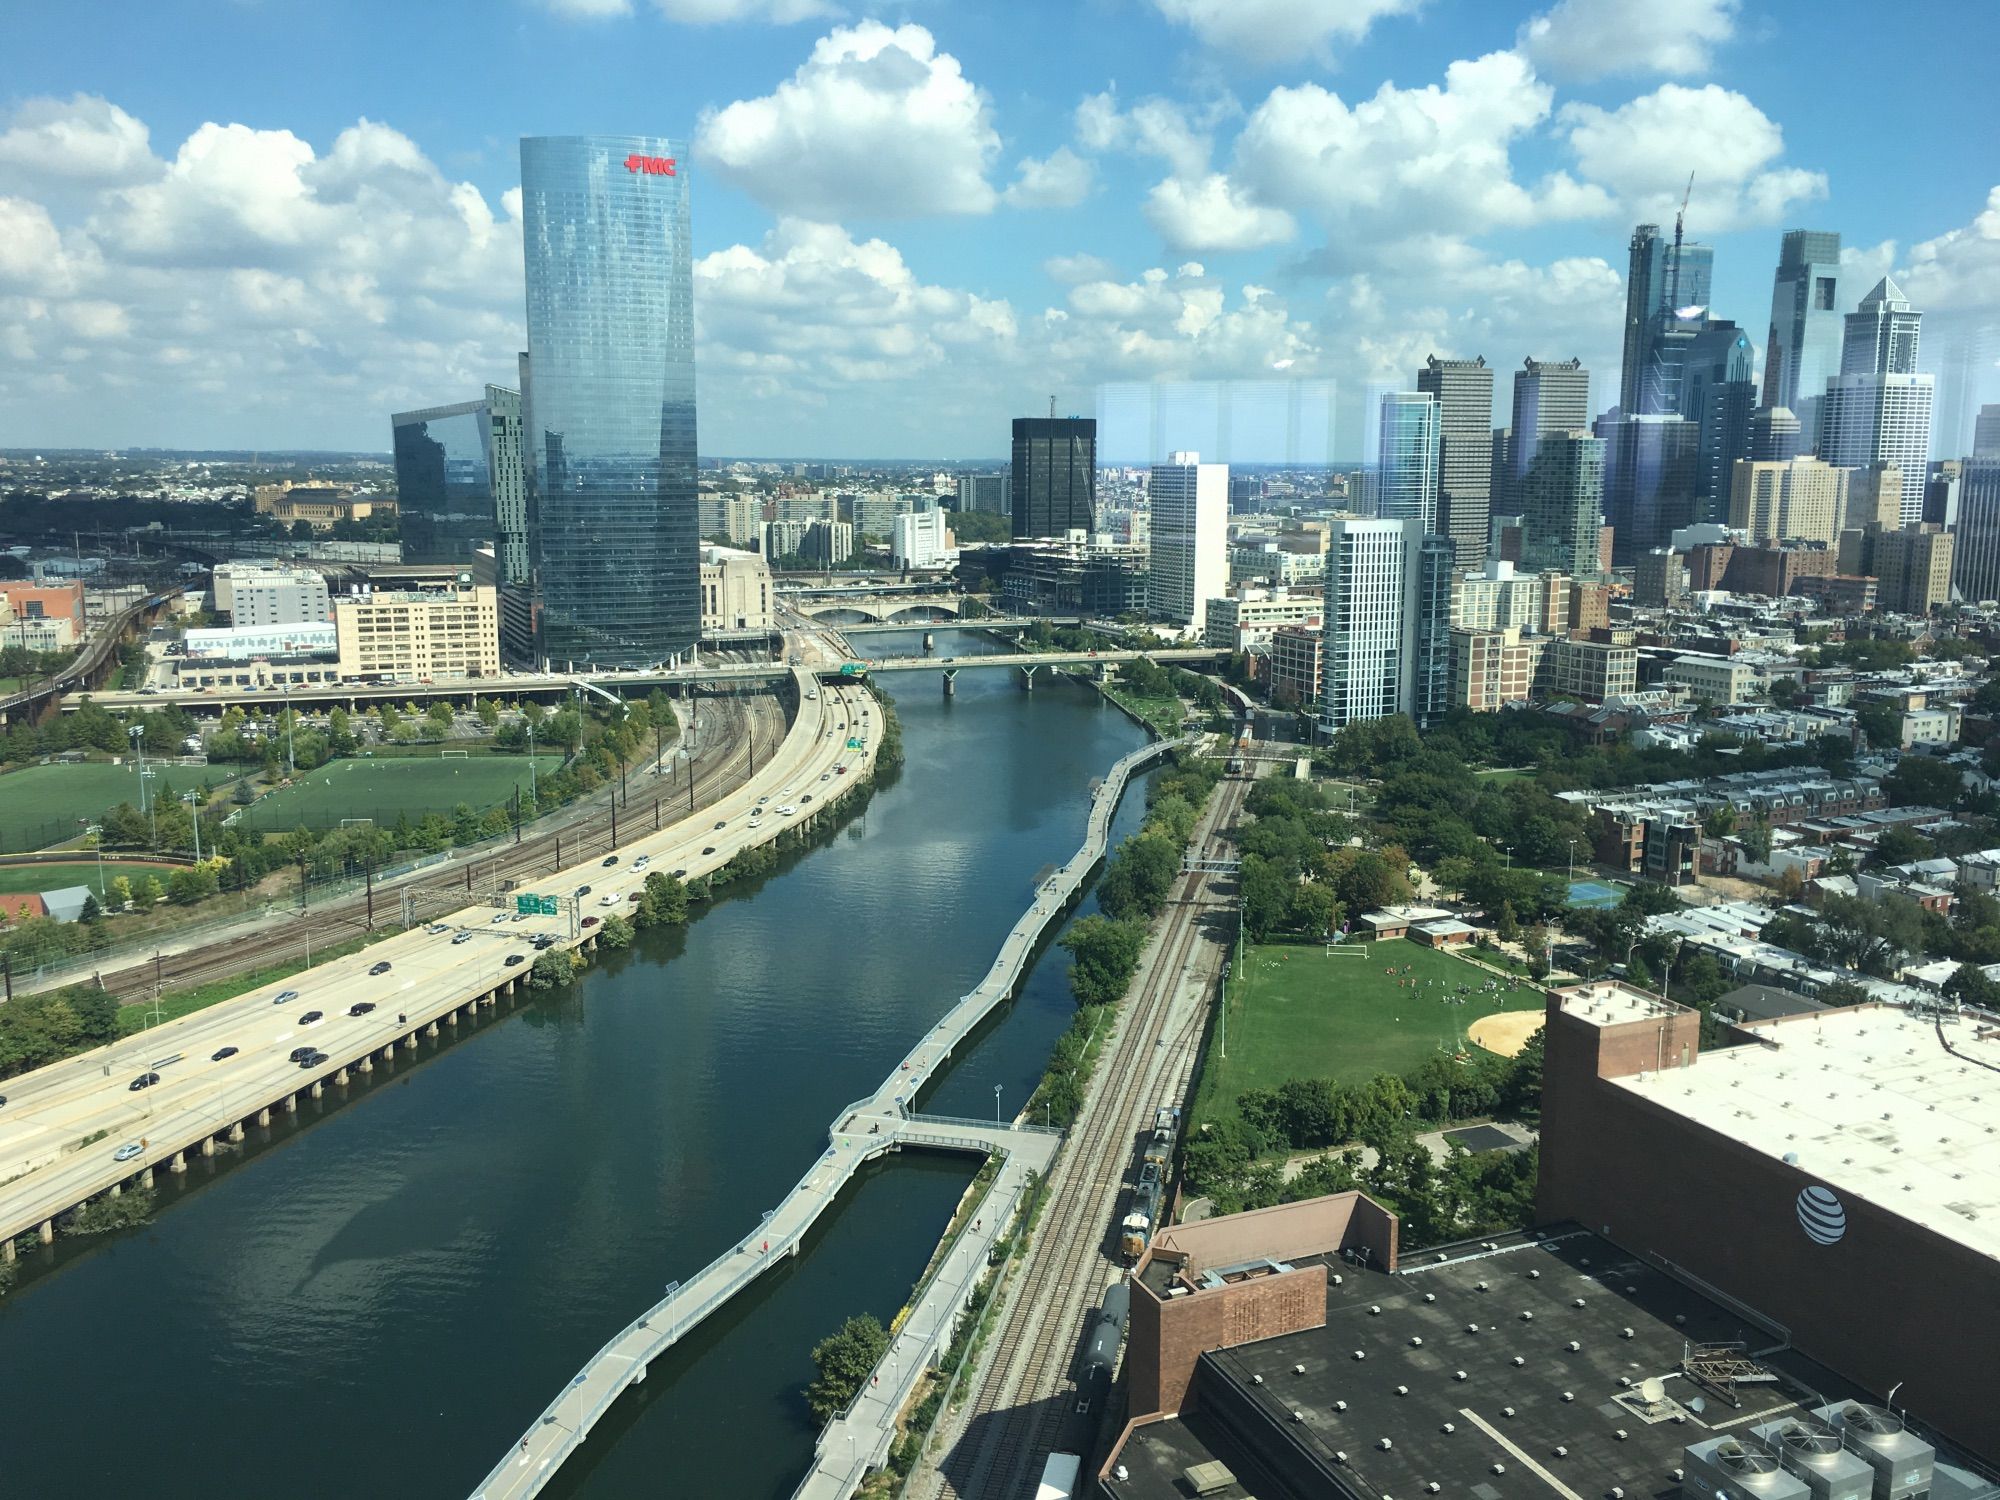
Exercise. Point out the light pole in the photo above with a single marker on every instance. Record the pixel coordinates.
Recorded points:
(152, 815)
(193, 800)
(291, 760)
(534, 797)
(996, 1106)
(137, 735)
(1572, 861)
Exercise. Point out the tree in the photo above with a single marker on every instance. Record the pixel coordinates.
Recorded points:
(1918, 781)
(489, 714)
(1266, 893)
(1535, 942)
(1103, 955)
(147, 893)
(1507, 927)
(845, 1360)
(664, 901)
(121, 893)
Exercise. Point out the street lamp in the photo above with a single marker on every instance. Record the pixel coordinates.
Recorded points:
(1572, 861)
(95, 833)
(192, 799)
(996, 1106)
(291, 760)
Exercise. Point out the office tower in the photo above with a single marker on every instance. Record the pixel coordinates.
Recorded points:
(460, 484)
(1190, 552)
(1881, 335)
(1549, 396)
(1794, 501)
(1880, 419)
(1502, 501)
(1941, 493)
(1406, 466)
(1718, 396)
(984, 492)
(1803, 350)
(1666, 298)
(1912, 570)
(1463, 390)
(1775, 434)
(1975, 568)
(1986, 433)
(614, 529)
(1562, 501)
(1387, 623)
(1874, 495)
(1054, 481)
(1649, 476)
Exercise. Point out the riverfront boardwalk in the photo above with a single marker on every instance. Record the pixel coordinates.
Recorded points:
(863, 1130)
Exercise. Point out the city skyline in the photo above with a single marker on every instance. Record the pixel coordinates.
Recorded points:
(274, 260)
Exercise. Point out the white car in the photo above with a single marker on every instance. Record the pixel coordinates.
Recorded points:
(786, 811)
(610, 900)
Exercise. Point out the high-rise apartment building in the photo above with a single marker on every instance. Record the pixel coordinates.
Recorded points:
(1870, 419)
(1463, 390)
(1796, 501)
(419, 634)
(1975, 567)
(1776, 432)
(1912, 570)
(1054, 480)
(1562, 500)
(1803, 350)
(1388, 623)
(920, 539)
(1549, 396)
(1406, 465)
(1650, 463)
(614, 529)
(459, 482)
(1190, 549)
(1666, 301)
(985, 492)
(1874, 496)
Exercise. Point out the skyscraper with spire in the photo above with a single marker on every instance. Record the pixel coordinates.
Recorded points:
(1878, 409)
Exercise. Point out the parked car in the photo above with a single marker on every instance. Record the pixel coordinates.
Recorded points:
(143, 1081)
(216, 1056)
(382, 968)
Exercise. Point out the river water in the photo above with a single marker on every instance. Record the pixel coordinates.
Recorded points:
(381, 1296)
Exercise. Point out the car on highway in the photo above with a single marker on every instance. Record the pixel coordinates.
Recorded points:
(708, 849)
(825, 776)
(312, 1059)
(360, 1007)
(723, 824)
(216, 1056)
(463, 937)
(580, 892)
(546, 940)
(283, 995)
(609, 898)
(642, 861)
(312, 1017)
(840, 770)
(435, 928)
(300, 1054)
(762, 800)
(609, 861)
(680, 874)
(3, 1101)
(807, 797)
(515, 958)
(787, 810)
(127, 1151)
(498, 919)
(590, 921)
(381, 968)
(519, 916)
(143, 1081)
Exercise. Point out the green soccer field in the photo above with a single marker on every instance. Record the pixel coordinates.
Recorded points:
(40, 805)
(386, 788)
(1298, 1012)
(53, 877)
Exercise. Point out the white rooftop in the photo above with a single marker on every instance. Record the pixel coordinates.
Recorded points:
(1613, 1004)
(1869, 1103)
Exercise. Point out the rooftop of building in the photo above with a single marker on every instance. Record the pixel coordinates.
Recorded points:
(1613, 1003)
(1505, 1371)
(1883, 1105)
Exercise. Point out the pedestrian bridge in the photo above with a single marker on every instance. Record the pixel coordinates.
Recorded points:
(864, 1130)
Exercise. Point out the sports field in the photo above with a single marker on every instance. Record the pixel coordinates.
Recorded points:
(1300, 1013)
(53, 877)
(384, 789)
(40, 805)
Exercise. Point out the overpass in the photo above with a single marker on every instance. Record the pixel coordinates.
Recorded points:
(835, 609)
(868, 1128)
(92, 662)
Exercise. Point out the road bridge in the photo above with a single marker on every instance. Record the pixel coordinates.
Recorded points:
(914, 608)
(863, 1130)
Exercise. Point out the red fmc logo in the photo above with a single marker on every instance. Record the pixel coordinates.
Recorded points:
(652, 166)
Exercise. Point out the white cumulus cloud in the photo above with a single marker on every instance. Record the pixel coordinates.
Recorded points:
(1586, 39)
(83, 139)
(876, 122)
(1062, 179)
(1269, 31)
(1212, 213)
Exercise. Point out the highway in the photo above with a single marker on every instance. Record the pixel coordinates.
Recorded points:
(61, 1124)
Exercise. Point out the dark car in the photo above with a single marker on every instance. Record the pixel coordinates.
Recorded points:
(590, 921)
(312, 1059)
(300, 1054)
(680, 874)
(609, 861)
(143, 1081)
(3, 1101)
(360, 1007)
(723, 824)
(311, 1016)
(544, 941)
(216, 1056)
(708, 849)
(381, 968)
(515, 958)
(580, 892)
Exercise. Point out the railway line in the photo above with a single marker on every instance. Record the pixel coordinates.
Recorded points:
(1021, 1403)
(538, 853)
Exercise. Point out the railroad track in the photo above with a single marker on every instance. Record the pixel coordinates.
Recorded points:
(537, 854)
(1023, 1399)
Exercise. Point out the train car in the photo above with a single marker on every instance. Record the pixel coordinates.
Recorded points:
(1155, 1165)
(1100, 1349)
(1059, 1477)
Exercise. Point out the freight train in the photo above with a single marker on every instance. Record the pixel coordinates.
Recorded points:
(1100, 1349)
(1156, 1158)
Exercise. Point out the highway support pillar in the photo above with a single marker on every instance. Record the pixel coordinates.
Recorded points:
(236, 1132)
(318, 1089)
(177, 1162)
(47, 1232)
(951, 682)
(117, 1189)
(340, 1078)
(291, 1104)
(1028, 678)
(410, 1042)
(367, 1064)
(208, 1145)
(431, 1030)
(264, 1115)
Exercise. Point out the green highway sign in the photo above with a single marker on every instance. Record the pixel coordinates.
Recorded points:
(854, 744)
(535, 906)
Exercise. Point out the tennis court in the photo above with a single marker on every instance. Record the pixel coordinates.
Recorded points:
(1594, 893)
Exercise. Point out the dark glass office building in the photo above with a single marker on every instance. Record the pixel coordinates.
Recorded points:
(458, 482)
(1055, 475)
(610, 430)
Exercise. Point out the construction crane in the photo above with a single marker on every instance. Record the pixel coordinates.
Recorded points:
(1673, 307)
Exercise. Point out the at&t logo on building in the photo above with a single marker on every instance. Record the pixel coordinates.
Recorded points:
(1821, 1216)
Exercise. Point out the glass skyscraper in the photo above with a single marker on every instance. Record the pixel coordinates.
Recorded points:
(1666, 300)
(1803, 351)
(1054, 478)
(459, 482)
(1406, 459)
(610, 437)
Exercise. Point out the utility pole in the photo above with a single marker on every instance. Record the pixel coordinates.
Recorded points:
(368, 875)
(193, 800)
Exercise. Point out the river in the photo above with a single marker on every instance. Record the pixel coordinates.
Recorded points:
(380, 1296)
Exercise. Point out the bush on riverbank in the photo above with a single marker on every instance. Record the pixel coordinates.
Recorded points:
(106, 1214)
(845, 1359)
(554, 969)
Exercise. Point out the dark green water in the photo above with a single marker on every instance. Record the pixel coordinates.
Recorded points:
(380, 1298)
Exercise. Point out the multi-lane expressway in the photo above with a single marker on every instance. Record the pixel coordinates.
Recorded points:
(62, 1126)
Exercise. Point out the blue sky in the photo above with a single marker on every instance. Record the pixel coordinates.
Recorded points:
(270, 224)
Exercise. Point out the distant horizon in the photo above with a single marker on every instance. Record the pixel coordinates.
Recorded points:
(254, 455)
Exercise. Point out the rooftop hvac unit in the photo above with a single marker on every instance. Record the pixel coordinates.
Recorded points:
(1727, 1465)
(1902, 1461)
(1812, 1450)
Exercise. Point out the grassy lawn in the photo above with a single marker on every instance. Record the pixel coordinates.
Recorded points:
(1504, 775)
(382, 788)
(1297, 1012)
(175, 1003)
(1164, 714)
(40, 806)
(53, 877)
